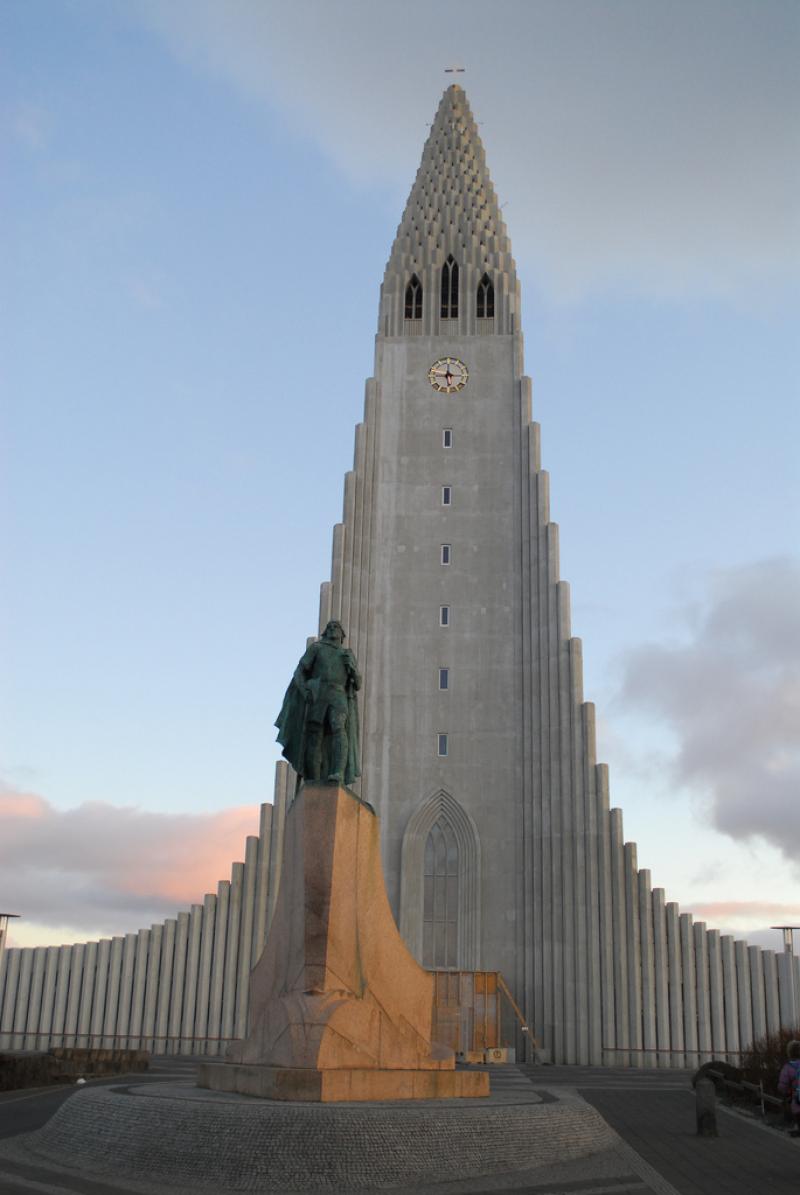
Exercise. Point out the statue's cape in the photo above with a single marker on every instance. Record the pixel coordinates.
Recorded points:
(291, 724)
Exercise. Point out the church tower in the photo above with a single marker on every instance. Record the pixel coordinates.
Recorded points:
(478, 751)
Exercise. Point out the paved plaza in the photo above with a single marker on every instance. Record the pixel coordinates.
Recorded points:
(653, 1147)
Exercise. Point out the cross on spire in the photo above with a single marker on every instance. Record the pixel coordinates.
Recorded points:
(454, 70)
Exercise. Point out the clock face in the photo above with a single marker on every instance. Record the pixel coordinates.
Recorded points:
(448, 375)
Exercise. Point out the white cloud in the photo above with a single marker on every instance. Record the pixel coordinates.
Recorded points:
(640, 144)
(729, 693)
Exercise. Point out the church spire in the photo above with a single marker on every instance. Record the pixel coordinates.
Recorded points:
(451, 217)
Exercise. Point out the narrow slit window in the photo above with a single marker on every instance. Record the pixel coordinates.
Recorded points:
(447, 437)
(413, 307)
(449, 296)
(485, 298)
(444, 616)
(447, 495)
(445, 553)
(444, 678)
(441, 744)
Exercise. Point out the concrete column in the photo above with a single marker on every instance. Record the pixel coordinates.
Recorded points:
(786, 990)
(262, 883)
(566, 841)
(65, 959)
(324, 605)
(337, 567)
(360, 632)
(178, 982)
(744, 994)
(702, 993)
(545, 784)
(609, 1032)
(689, 990)
(347, 545)
(581, 852)
(165, 972)
(75, 984)
(32, 1025)
(125, 993)
(218, 962)
(48, 998)
(594, 893)
(731, 998)
(232, 951)
(84, 995)
(620, 938)
(284, 780)
(24, 991)
(102, 970)
(715, 987)
(187, 1043)
(675, 981)
(148, 1028)
(661, 969)
(757, 998)
(204, 973)
(11, 972)
(557, 800)
(112, 994)
(772, 1005)
(633, 934)
(649, 1034)
(138, 987)
(246, 935)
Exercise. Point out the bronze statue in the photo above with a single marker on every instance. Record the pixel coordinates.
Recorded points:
(318, 722)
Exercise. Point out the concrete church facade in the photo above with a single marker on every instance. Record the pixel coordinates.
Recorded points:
(501, 851)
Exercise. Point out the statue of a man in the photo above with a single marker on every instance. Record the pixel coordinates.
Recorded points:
(318, 722)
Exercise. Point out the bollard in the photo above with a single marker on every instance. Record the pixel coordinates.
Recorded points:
(706, 1103)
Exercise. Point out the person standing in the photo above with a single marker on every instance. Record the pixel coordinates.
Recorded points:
(789, 1082)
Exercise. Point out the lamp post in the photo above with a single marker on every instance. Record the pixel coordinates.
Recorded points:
(4, 920)
(788, 932)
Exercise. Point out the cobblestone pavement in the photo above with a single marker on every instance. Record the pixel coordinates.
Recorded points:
(652, 1111)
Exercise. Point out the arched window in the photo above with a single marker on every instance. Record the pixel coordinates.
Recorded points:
(450, 289)
(440, 898)
(485, 308)
(414, 298)
(440, 885)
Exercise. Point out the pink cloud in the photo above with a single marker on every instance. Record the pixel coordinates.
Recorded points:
(116, 867)
(17, 804)
(750, 910)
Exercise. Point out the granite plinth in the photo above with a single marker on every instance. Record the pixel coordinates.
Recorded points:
(339, 1008)
(332, 1086)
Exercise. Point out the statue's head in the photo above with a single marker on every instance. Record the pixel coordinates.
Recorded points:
(334, 632)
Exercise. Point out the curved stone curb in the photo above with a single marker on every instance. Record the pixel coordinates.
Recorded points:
(232, 1143)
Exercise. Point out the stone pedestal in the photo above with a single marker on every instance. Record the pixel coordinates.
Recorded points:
(339, 1008)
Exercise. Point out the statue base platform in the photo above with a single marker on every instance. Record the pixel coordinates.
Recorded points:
(339, 1008)
(334, 1086)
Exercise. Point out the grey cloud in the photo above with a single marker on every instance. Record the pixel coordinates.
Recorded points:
(638, 143)
(106, 868)
(730, 693)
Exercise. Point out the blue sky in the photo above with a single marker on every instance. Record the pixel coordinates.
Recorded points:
(202, 200)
